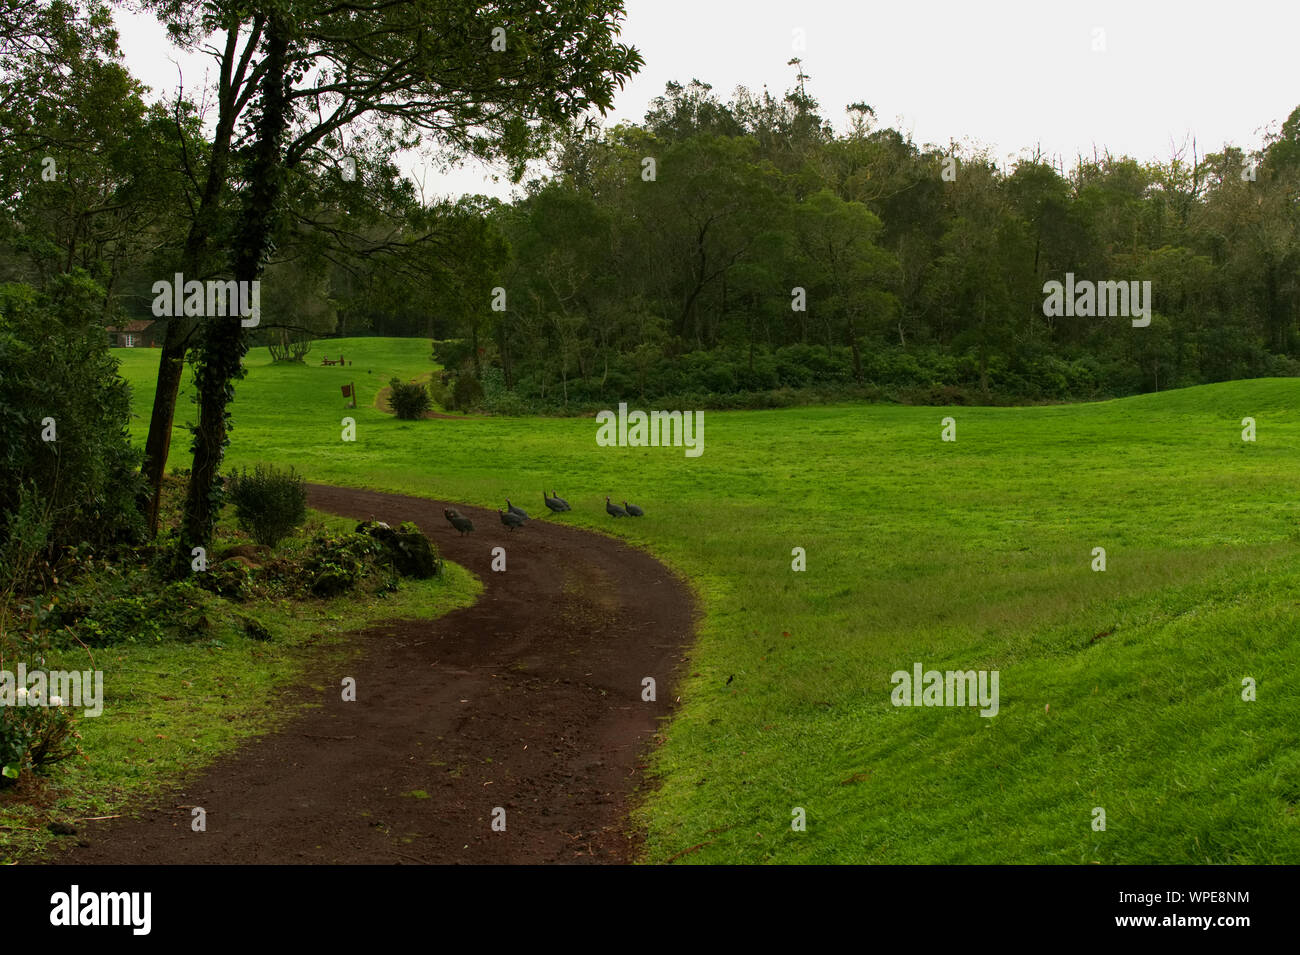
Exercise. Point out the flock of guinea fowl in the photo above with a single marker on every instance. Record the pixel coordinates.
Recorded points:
(513, 517)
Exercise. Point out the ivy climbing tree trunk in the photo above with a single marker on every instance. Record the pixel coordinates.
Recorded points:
(231, 97)
(171, 363)
(222, 345)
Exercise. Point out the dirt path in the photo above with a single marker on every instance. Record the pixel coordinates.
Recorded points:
(530, 700)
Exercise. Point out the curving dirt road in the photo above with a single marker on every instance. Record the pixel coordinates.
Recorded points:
(530, 701)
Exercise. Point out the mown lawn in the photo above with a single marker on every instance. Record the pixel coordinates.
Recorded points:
(1119, 689)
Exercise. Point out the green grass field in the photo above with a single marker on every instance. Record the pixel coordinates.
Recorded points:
(1119, 689)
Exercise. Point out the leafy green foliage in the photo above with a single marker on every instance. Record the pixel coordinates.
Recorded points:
(467, 393)
(927, 265)
(412, 553)
(34, 737)
(269, 503)
(439, 392)
(99, 603)
(453, 353)
(409, 400)
(58, 381)
(335, 564)
(24, 539)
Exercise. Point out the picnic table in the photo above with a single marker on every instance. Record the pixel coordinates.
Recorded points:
(334, 361)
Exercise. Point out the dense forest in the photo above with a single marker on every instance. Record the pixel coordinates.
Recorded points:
(923, 268)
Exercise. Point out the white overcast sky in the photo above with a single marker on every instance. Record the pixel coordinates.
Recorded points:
(1006, 74)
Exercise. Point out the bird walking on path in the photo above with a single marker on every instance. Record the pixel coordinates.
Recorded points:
(633, 510)
(510, 519)
(614, 510)
(555, 504)
(458, 521)
(516, 510)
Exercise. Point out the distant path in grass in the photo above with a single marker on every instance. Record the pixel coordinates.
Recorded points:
(529, 700)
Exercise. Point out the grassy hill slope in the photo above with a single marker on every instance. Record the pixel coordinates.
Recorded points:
(1120, 690)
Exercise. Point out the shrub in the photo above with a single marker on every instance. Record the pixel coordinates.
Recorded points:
(452, 353)
(720, 377)
(229, 579)
(762, 377)
(24, 541)
(440, 393)
(467, 394)
(618, 385)
(792, 365)
(408, 400)
(117, 603)
(269, 503)
(336, 564)
(287, 351)
(56, 372)
(33, 737)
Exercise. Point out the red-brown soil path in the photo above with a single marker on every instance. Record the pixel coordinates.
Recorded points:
(530, 700)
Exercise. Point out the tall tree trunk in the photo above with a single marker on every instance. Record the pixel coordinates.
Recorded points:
(171, 367)
(853, 346)
(171, 363)
(984, 352)
(503, 345)
(749, 326)
(223, 345)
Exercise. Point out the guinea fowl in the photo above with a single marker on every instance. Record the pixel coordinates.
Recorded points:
(555, 496)
(510, 519)
(458, 521)
(516, 510)
(555, 504)
(614, 510)
(633, 510)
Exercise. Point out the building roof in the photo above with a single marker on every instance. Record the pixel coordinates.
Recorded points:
(136, 325)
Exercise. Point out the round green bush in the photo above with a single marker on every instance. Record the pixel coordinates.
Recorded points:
(408, 400)
(269, 503)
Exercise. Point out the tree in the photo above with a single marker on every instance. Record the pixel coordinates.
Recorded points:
(850, 273)
(711, 201)
(407, 71)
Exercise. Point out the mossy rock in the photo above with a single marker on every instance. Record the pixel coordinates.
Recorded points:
(332, 582)
(414, 556)
(408, 550)
(228, 579)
